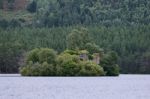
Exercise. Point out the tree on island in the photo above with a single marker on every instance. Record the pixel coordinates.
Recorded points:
(77, 60)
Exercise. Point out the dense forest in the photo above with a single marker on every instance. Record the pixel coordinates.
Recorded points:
(119, 25)
(56, 13)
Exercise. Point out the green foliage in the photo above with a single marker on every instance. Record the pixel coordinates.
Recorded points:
(68, 65)
(109, 63)
(47, 55)
(33, 55)
(42, 55)
(11, 1)
(26, 71)
(72, 12)
(32, 7)
(71, 65)
(37, 69)
(80, 40)
(14, 23)
(10, 55)
(112, 70)
(89, 68)
(93, 48)
(77, 39)
(71, 52)
(31, 70)
(48, 69)
(144, 63)
(3, 23)
(124, 40)
(1, 4)
(40, 62)
(55, 13)
(113, 25)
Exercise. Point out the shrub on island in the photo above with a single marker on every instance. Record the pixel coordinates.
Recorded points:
(40, 62)
(45, 62)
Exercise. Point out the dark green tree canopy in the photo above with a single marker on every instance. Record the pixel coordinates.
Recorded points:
(32, 7)
(77, 39)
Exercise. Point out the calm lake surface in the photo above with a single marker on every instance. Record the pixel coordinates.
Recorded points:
(122, 87)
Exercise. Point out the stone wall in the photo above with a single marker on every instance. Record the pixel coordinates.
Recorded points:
(96, 58)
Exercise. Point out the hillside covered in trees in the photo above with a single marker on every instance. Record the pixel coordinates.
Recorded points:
(105, 12)
(119, 25)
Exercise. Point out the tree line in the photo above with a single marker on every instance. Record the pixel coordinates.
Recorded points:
(131, 44)
(119, 25)
(79, 59)
(54, 13)
(105, 12)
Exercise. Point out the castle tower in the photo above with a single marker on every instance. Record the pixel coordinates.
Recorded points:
(96, 58)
